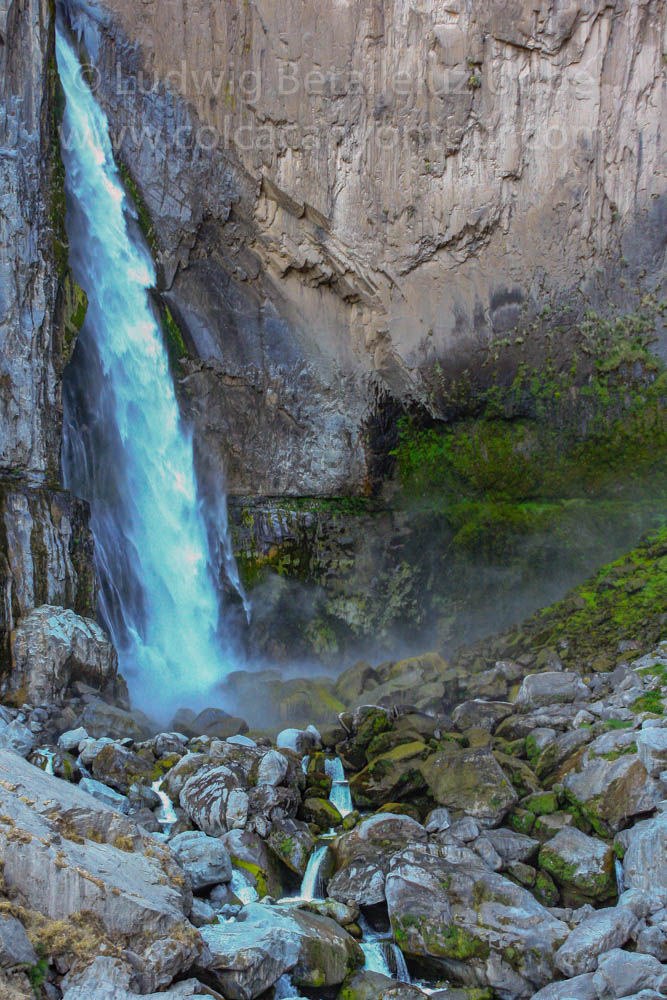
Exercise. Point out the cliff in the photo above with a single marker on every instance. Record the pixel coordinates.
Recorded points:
(349, 210)
(45, 544)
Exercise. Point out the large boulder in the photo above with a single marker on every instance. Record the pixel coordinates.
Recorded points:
(364, 856)
(623, 974)
(101, 719)
(215, 798)
(120, 768)
(51, 648)
(645, 859)
(582, 866)
(17, 737)
(367, 985)
(471, 924)
(204, 859)
(65, 853)
(652, 749)
(250, 955)
(600, 932)
(111, 979)
(552, 687)
(390, 777)
(471, 781)
(610, 792)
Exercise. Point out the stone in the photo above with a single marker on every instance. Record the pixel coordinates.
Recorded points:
(105, 794)
(265, 942)
(70, 740)
(653, 941)
(251, 856)
(512, 846)
(471, 924)
(609, 792)
(17, 737)
(367, 985)
(384, 832)
(321, 812)
(645, 858)
(112, 979)
(15, 947)
(579, 988)
(622, 973)
(598, 933)
(216, 723)
(438, 820)
(292, 843)
(103, 720)
(119, 768)
(551, 687)
(65, 852)
(390, 777)
(272, 768)
(52, 647)
(215, 800)
(362, 881)
(481, 714)
(471, 781)
(204, 859)
(652, 749)
(202, 913)
(582, 866)
(301, 741)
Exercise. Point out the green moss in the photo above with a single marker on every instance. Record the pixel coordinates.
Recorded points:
(259, 876)
(143, 215)
(652, 701)
(521, 820)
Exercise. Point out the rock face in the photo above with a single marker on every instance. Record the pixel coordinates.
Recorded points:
(68, 853)
(352, 216)
(53, 647)
(45, 544)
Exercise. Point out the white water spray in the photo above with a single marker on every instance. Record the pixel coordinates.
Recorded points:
(125, 449)
(340, 795)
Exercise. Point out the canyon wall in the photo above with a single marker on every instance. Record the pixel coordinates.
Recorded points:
(351, 209)
(45, 543)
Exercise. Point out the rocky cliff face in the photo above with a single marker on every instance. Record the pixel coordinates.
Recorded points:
(45, 545)
(350, 209)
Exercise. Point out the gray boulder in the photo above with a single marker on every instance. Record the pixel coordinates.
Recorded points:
(609, 792)
(552, 687)
(472, 781)
(104, 794)
(600, 932)
(471, 924)
(112, 979)
(645, 860)
(272, 768)
(250, 955)
(362, 880)
(15, 948)
(582, 866)
(203, 858)
(512, 846)
(52, 646)
(70, 740)
(215, 798)
(103, 720)
(652, 749)
(623, 973)
(579, 988)
(17, 737)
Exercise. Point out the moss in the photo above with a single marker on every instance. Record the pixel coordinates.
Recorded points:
(542, 803)
(143, 215)
(521, 820)
(259, 877)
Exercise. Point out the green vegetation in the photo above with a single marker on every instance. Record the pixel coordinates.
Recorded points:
(143, 215)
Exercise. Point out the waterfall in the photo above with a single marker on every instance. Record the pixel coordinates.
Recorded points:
(312, 886)
(340, 795)
(124, 447)
(166, 814)
(382, 954)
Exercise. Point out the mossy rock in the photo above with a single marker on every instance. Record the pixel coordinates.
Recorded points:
(521, 820)
(541, 803)
(391, 777)
(321, 812)
(545, 890)
(401, 809)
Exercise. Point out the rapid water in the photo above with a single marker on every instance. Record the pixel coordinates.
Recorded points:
(125, 449)
(312, 886)
(340, 795)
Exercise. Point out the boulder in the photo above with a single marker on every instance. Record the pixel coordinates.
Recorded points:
(552, 687)
(579, 988)
(512, 846)
(272, 768)
(203, 858)
(176, 776)
(105, 794)
(17, 737)
(250, 854)
(321, 812)
(622, 973)
(609, 792)
(66, 853)
(600, 932)
(301, 741)
(383, 832)
(471, 924)
(481, 714)
(652, 749)
(292, 843)
(582, 866)
(251, 954)
(15, 948)
(52, 647)
(645, 859)
(69, 741)
(471, 781)
(367, 985)
(112, 979)
(215, 722)
(390, 777)
(119, 768)
(101, 719)
(361, 881)
(215, 798)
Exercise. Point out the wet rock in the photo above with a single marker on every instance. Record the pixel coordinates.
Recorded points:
(321, 812)
(203, 858)
(374, 986)
(600, 932)
(250, 854)
(550, 688)
(472, 924)
(250, 955)
(112, 979)
(272, 768)
(382, 831)
(70, 740)
(15, 948)
(438, 820)
(579, 988)
(472, 781)
(582, 866)
(214, 722)
(362, 881)
(293, 843)
(176, 777)
(52, 646)
(621, 973)
(512, 846)
(215, 799)
(202, 913)
(301, 741)
(481, 714)
(105, 794)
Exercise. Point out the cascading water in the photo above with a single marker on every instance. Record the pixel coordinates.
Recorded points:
(125, 449)
(382, 954)
(340, 795)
